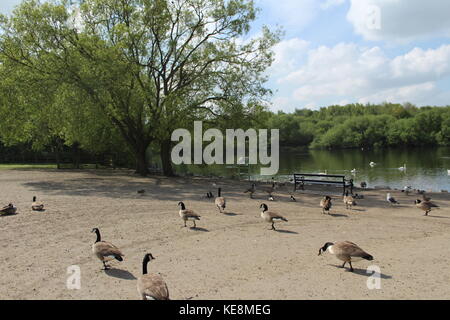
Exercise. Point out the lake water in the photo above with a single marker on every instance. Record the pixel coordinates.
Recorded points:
(425, 168)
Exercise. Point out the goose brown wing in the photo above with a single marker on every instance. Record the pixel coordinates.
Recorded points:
(154, 286)
(190, 214)
(351, 249)
(274, 215)
(107, 249)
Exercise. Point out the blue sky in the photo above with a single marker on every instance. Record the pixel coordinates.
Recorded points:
(346, 51)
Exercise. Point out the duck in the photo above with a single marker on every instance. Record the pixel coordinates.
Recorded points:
(151, 286)
(425, 206)
(187, 214)
(326, 204)
(349, 201)
(251, 190)
(8, 210)
(220, 201)
(270, 216)
(346, 251)
(407, 190)
(105, 251)
(391, 199)
(37, 206)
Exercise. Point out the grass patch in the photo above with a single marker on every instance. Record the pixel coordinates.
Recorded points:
(11, 166)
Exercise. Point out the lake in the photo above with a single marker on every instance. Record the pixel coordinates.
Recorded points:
(426, 168)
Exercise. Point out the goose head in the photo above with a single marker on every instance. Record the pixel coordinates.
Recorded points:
(325, 247)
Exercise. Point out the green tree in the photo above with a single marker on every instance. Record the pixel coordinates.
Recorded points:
(141, 66)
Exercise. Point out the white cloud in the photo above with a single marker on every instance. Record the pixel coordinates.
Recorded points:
(400, 20)
(289, 55)
(349, 72)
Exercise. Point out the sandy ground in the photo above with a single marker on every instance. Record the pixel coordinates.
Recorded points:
(232, 256)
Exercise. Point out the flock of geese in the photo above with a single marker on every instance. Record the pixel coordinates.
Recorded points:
(152, 286)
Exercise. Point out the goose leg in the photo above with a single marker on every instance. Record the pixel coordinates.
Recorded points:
(343, 266)
(195, 226)
(105, 267)
(351, 267)
(273, 227)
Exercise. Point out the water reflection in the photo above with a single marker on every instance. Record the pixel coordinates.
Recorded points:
(426, 168)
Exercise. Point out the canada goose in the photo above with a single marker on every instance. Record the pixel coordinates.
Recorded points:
(151, 286)
(391, 199)
(270, 217)
(252, 190)
(402, 168)
(349, 201)
(271, 189)
(187, 214)
(372, 164)
(37, 206)
(8, 210)
(220, 201)
(271, 198)
(346, 251)
(363, 184)
(425, 206)
(209, 195)
(141, 191)
(326, 204)
(293, 199)
(105, 251)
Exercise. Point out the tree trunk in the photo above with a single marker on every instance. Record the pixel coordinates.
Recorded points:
(141, 161)
(166, 159)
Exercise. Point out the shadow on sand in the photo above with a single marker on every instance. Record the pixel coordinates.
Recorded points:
(361, 272)
(120, 274)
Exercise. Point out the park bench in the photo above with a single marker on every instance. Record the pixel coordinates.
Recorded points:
(302, 179)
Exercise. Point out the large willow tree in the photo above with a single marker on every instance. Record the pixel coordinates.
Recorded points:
(142, 66)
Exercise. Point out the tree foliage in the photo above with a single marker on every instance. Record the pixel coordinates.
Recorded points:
(137, 68)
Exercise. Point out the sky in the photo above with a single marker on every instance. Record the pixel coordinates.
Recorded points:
(354, 51)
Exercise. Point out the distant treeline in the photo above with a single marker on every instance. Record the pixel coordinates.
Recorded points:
(334, 127)
(358, 126)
